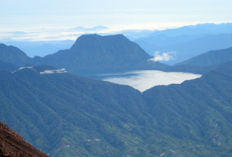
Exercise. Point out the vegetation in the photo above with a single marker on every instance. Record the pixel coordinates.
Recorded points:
(67, 115)
(8, 66)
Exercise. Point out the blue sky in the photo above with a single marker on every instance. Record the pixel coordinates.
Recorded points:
(29, 15)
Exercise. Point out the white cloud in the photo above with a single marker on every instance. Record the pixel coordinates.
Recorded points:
(53, 71)
(30, 67)
(21, 68)
(165, 56)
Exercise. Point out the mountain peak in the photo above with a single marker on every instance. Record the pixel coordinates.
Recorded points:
(95, 38)
(96, 53)
(13, 55)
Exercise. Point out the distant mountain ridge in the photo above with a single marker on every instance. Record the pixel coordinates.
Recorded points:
(199, 29)
(90, 53)
(94, 54)
(188, 41)
(211, 58)
(191, 48)
(40, 48)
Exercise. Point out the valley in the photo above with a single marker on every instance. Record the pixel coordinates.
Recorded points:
(80, 101)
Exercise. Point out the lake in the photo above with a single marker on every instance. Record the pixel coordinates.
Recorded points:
(145, 79)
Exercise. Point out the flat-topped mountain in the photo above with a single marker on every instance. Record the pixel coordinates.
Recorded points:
(12, 144)
(101, 53)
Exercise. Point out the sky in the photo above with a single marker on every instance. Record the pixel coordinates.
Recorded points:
(52, 16)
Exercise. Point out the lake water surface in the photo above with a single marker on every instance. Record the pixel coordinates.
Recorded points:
(145, 79)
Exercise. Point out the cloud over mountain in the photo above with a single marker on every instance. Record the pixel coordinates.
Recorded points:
(163, 56)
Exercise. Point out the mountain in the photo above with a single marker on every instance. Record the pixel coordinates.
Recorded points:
(13, 55)
(187, 41)
(197, 30)
(13, 145)
(211, 58)
(186, 50)
(40, 48)
(189, 49)
(161, 40)
(107, 54)
(8, 66)
(198, 110)
(67, 115)
(91, 53)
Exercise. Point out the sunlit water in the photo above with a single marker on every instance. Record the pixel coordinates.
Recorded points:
(145, 79)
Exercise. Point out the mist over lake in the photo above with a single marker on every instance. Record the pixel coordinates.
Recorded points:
(145, 79)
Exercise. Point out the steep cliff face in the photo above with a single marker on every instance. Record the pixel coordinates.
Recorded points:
(12, 144)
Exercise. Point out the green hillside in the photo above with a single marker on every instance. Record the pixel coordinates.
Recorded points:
(198, 110)
(67, 115)
(8, 66)
(63, 114)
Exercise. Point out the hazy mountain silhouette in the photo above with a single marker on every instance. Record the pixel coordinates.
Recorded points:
(40, 48)
(188, 41)
(197, 30)
(13, 55)
(210, 58)
(195, 47)
(89, 54)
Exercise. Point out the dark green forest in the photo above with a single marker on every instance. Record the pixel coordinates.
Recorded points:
(68, 115)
